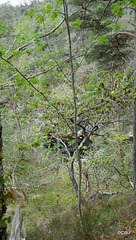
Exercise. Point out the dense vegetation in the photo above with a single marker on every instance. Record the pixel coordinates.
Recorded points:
(67, 93)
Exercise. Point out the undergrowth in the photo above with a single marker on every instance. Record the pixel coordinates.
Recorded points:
(51, 214)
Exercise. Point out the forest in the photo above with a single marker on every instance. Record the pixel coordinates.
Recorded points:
(68, 120)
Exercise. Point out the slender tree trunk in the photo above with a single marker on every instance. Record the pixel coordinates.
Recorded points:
(3, 233)
(73, 180)
(65, 5)
(134, 119)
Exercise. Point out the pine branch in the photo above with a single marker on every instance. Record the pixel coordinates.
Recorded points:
(117, 44)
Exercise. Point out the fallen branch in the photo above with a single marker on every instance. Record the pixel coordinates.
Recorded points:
(100, 193)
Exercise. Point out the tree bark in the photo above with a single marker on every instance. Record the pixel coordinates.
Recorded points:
(3, 229)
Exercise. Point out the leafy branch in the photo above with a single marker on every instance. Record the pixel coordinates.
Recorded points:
(45, 35)
(42, 94)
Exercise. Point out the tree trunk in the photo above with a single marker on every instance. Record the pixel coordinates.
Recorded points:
(65, 5)
(134, 118)
(3, 232)
(18, 229)
(73, 180)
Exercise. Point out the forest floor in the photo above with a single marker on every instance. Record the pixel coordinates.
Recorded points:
(51, 213)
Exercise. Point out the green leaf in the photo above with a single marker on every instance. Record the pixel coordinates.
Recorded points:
(59, 3)
(40, 19)
(92, 37)
(77, 64)
(21, 82)
(35, 103)
(1, 53)
(118, 10)
(2, 180)
(32, 13)
(103, 40)
(16, 53)
(92, 85)
(113, 26)
(34, 81)
(3, 222)
(105, 21)
(77, 23)
(84, 147)
(55, 14)
(22, 147)
(132, 3)
(5, 197)
(49, 7)
(51, 102)
(36, 144)
(9, 219)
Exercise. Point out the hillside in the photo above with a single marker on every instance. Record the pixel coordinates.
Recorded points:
(67, 107)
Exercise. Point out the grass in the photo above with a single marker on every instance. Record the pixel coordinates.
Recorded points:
(52, 214)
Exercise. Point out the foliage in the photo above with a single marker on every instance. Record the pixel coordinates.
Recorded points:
(36, 164)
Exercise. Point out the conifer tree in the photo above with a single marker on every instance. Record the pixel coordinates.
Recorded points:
(110, 48)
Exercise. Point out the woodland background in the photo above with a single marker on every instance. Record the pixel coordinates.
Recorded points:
(40, 161)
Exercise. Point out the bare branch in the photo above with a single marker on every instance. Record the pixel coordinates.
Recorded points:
(20, 189)
(5, 86)
(124, 33)
(131, 23)
(66, 148)
(40, 73)
(103, 11)
(131, 183)
(20, 48)
(11, 45)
